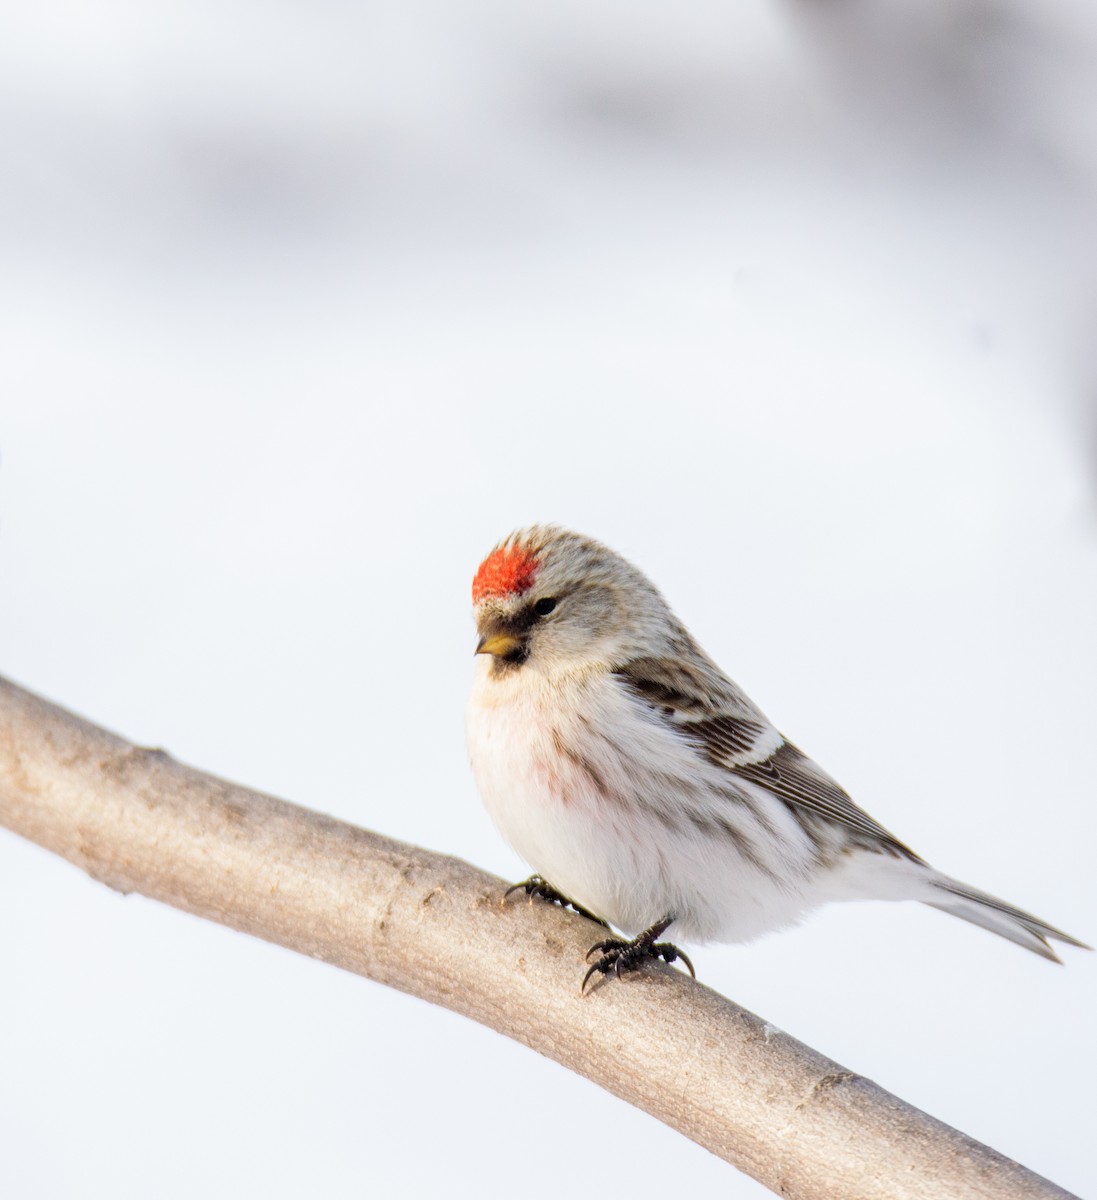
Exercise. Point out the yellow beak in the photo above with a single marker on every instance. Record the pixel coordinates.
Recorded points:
(499, 644)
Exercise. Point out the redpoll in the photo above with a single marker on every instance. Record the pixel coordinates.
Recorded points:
(645, 787)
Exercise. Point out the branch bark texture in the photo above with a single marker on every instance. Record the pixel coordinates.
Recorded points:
(434, 926)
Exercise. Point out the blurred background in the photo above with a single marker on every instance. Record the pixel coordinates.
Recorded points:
(303, 306)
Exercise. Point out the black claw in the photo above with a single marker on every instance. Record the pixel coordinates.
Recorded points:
(536, 886)
(669, 954)
(586, 978)
(527, 886)
(620, 956)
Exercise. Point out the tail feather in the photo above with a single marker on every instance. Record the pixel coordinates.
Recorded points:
(1001, 918)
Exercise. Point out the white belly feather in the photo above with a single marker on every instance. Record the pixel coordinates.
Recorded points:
(626, 818)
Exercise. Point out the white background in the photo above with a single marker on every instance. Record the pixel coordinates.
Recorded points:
(303, 306)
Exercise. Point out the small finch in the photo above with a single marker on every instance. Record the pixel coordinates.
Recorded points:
(645, 788)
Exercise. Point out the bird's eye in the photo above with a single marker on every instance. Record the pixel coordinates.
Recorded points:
(543, 607)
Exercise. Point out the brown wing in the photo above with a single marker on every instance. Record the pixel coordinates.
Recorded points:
(733, 733)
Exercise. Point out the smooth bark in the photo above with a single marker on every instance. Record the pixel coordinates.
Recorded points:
(436, 927)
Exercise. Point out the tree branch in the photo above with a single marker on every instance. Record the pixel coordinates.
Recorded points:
(434, 926)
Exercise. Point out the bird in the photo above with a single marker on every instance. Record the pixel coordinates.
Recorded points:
(646, 789)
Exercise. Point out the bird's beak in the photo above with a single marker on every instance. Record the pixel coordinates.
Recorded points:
(499, 644)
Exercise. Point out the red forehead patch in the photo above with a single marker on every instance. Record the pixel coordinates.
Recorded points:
(508, 571)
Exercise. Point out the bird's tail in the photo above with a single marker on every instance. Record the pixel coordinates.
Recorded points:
(1001, 918)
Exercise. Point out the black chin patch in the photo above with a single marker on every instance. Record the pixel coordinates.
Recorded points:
(510, 662)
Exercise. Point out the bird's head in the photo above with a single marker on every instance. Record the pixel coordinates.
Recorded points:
(558, 601)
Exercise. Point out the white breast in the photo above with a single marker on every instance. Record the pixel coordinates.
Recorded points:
(623, 816)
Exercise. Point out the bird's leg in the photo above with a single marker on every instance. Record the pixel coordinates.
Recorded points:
(536, 886)
(619, 956)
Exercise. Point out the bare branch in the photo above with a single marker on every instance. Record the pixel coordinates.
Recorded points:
(434, 926)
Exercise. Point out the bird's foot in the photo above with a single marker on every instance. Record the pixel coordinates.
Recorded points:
(620, 956)
(536, 886)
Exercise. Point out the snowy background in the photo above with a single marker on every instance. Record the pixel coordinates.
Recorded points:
(303, 306)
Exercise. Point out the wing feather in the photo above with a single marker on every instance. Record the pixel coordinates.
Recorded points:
(705, 708)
